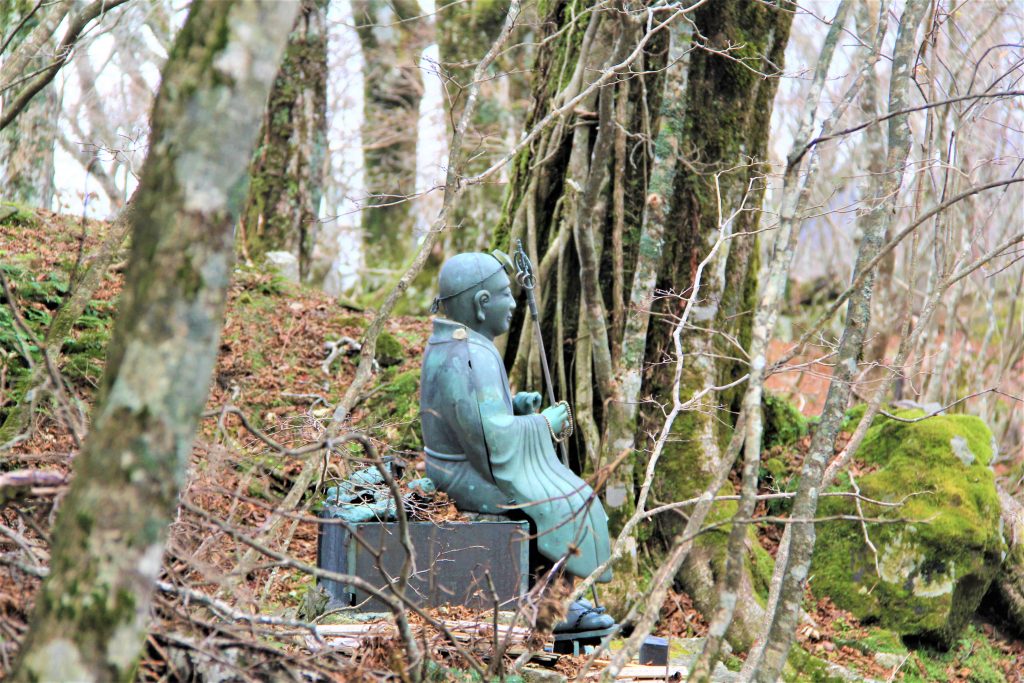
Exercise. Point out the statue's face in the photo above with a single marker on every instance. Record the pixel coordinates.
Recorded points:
(496, 307)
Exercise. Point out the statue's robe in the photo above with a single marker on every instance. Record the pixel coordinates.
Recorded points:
(490, 460)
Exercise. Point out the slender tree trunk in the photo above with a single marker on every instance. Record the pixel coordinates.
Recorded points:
(90, 616)
(392, 39)
(26, 152)
(283, 209)
(882, 188)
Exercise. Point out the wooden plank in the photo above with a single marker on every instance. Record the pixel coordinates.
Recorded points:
(642, 672)
(372, 629)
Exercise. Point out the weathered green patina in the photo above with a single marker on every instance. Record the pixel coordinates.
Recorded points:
(489, 451)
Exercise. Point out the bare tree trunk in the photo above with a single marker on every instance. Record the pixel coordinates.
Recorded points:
(283, 209)
(392, 39)
(882, 189)
(91, 613)
(26, 153)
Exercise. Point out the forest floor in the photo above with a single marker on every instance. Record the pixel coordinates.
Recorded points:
(271, 367)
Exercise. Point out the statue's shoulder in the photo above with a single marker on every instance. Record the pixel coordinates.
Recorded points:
(447, 332)
(450, 337)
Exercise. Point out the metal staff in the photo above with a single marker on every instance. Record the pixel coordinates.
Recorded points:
(527, 280)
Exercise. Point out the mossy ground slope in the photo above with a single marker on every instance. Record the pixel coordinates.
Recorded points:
(272, 344)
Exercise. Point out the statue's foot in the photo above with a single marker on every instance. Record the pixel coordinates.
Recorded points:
(582, 621)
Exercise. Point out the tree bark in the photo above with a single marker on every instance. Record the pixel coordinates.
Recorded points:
(392, 40)
(717, 192)
(283, 209)
(90, 617)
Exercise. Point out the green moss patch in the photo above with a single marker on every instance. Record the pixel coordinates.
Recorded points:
(388, 351)
(972, 656)
(38, 297)
(393, 411)
(15, 214)
(783, 423)
(931, 570)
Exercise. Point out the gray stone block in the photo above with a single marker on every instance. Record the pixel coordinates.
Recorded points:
(452, 562)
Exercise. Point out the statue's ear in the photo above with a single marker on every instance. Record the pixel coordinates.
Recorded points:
(479, 299)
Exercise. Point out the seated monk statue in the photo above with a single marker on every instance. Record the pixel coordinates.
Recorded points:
(492, 452)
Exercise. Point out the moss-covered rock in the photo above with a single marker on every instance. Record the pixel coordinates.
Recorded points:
(389, 350)
(1005, 599)
(16, 214)
(393, 412)
(932, 570)
(783, 423)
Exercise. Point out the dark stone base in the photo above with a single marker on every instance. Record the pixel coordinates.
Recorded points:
(453, 562)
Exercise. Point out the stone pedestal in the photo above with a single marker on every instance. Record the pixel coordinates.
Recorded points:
(453, 562)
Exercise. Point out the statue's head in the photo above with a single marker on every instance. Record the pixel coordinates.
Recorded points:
(476, 291)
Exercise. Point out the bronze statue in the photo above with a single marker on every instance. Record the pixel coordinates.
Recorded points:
(492, 452)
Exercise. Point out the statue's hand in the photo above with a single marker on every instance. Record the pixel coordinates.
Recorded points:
(526, 403)
(557, 416)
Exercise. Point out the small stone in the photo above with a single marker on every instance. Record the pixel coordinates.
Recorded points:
(285, 263)
(890, 660)
(535, 675)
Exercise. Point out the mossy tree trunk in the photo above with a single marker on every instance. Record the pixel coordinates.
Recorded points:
(724, 136)
(283, 209)
(27, 146)
(392, 39)
(465, 31)
(90, 616)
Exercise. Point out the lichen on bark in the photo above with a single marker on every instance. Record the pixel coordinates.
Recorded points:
(111, 527)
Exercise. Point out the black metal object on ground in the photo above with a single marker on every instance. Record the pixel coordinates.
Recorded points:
(654, 651)
(453, 561)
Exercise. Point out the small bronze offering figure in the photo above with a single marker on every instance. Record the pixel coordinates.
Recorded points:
(493, 452)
